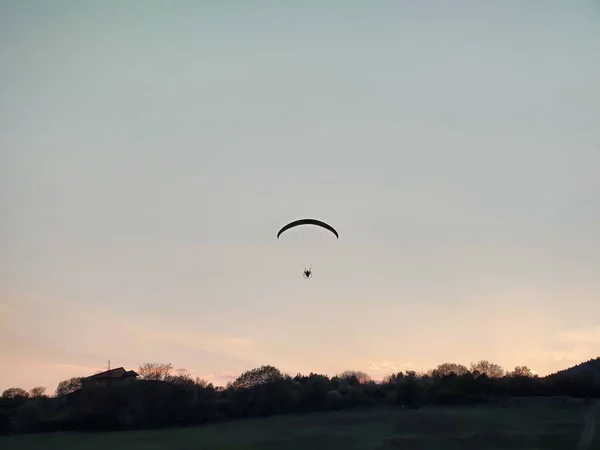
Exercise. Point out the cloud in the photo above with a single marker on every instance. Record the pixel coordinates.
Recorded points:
(590, 336)
(183, 370)
(387, 366)
(228, 376)
(210, 377)
(220, 379)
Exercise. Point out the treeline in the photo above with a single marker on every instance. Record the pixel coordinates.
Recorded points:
(160, 399)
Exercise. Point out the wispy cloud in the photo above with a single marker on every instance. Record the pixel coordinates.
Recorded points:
(589, 336)
(220, 379)
(183, 370)
(228, 376)
(209, 377)
(388, 366)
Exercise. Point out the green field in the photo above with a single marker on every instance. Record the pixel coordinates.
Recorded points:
(529, 425)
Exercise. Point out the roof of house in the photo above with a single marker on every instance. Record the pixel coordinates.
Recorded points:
(119, 372)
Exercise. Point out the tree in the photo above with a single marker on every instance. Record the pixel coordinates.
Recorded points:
(203, 383)
(183, 379)
(315, 390)
(256, 377)
(37, 392)
(521, 371)
(15, 393)
(69, 386)
(446, 369)
(485, 367)
(393, 378)
(355, 377)
(155, 371)
(408, 389)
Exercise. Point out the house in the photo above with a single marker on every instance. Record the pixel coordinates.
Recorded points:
(108, 377)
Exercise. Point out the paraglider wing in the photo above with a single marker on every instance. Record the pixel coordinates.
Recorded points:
(316, 222)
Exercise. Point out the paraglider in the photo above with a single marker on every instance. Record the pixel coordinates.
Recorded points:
(307, 273)
(316, 222)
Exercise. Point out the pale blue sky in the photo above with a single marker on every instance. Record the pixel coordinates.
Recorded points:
(151, 151)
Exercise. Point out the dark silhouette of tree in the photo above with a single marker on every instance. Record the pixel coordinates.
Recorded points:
(203, 383)
(446, 369)
(487, 368)
(180, 380)
(155, 371)
(316, 388)
(256, 377)
(38, 392)
(393, 378)
(15, 393)
(408, 390)
(355, 377)
(521, 371)
(69, 386)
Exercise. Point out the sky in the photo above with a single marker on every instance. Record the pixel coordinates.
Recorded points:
(150, 152)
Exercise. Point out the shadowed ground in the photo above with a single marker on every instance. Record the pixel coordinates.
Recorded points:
(532, 424)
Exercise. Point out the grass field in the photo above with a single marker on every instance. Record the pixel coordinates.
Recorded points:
(529, 425)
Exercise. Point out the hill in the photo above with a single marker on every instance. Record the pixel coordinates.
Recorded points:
(589, 368)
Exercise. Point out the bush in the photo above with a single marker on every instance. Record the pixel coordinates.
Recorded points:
(356, 396)
(5, 422)
(29, 417)
(335, 401)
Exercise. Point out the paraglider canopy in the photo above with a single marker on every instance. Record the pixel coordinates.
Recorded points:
(307, 273)
(315, 222)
